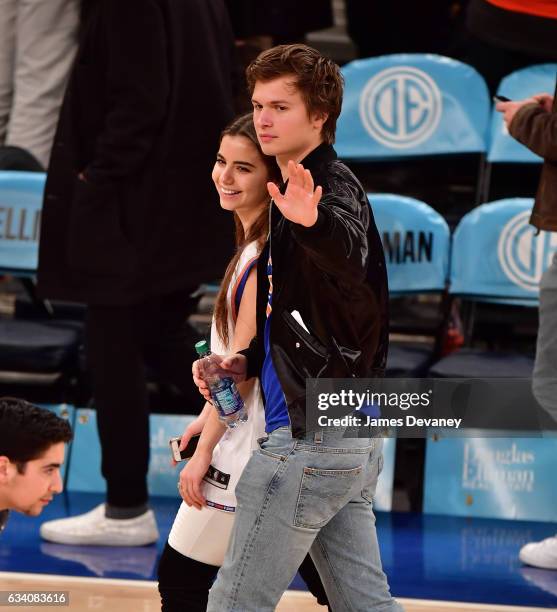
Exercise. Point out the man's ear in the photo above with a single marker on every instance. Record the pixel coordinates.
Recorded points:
(319, 120)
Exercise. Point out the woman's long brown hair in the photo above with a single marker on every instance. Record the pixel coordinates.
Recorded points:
(243, 126)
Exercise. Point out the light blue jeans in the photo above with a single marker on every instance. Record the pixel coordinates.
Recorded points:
(544, 380)
(300, 495)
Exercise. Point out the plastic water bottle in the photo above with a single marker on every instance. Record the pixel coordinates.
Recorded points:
(224, 393)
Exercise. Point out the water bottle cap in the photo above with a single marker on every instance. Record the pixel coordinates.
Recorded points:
(202, 347)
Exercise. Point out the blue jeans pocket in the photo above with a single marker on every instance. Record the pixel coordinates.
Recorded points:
(267, 453)
(277, 445)
(323, 493)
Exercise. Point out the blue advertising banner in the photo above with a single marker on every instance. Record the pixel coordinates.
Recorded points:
(411, 104)
(21, 198)
(496, 252)
(163, 476)
(416, 240)
(64, 411)
(518, 86)
(85, 466)
(511, 478)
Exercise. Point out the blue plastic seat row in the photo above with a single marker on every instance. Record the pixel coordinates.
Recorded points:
(32, 352)
(410, 105)
(493, 256)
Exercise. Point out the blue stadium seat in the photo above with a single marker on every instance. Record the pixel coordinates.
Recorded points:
(503, 148)
(497, 258)
(21, 195)
(416, 241)
(409, 105)
(31, 352)
(518, 85)
(497, 255)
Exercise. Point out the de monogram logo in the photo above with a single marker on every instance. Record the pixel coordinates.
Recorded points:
(523, 255)
(401, 107)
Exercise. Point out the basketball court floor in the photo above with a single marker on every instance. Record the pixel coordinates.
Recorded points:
(434, 563)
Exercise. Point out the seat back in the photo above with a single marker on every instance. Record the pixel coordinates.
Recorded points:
(497, 256)
(21, 196)
(408, 105)
(518, 85)
(416, 241)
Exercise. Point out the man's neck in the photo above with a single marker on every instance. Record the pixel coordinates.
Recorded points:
(282, 160)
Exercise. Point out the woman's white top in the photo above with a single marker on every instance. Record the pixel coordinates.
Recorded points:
(204, 534)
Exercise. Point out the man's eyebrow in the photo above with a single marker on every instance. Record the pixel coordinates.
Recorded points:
(52, 465)
(272, 101)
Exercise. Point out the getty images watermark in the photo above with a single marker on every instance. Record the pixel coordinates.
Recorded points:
(417, 407)
(367, 407)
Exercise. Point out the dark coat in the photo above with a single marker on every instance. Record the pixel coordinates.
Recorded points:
(537, 130)
(281, 19)
(147, 98)
(334, 275)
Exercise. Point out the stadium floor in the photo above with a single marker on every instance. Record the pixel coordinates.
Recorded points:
(435, 558)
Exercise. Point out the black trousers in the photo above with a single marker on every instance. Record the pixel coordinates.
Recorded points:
(122, 342)
(184, 583)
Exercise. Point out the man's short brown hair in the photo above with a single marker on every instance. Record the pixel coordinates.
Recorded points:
(316, 77)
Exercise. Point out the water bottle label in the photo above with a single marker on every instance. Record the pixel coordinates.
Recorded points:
(226, 397)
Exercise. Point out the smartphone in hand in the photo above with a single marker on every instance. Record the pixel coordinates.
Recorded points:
(188, 452)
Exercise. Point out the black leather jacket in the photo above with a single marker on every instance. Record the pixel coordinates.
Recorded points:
(334, 275)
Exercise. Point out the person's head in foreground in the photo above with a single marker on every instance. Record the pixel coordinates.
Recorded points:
(31, 452)
(297, 97)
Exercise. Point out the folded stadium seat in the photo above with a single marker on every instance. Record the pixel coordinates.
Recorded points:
(422, 120)
(416, 242)
(506, 153)
(407, 360)
(35, 353)
(496, 259)
(32, 352)
(474, 363)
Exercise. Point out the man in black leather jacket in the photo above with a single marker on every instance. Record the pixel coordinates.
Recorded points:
(322, 312)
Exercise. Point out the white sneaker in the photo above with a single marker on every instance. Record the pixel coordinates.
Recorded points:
(540, 554)
(93, 528)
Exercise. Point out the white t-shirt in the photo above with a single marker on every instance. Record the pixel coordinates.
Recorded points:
(203, 534)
